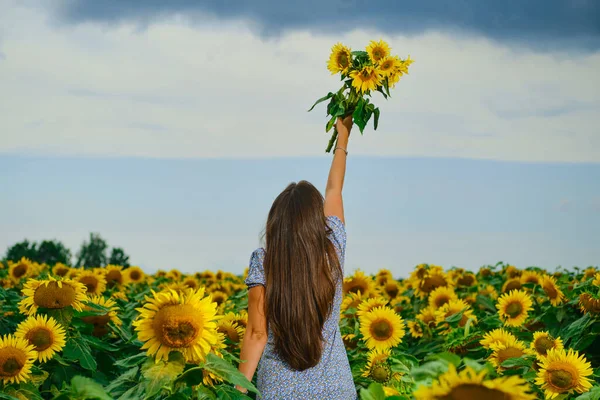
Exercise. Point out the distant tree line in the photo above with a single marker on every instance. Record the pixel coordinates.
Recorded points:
(92, 253)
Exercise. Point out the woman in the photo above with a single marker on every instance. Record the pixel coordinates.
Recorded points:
(295, 293)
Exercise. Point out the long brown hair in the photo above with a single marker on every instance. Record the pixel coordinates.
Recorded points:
(301, 269)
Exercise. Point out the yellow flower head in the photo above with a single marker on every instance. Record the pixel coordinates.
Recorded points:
(512, 348)
(94, 282)
(184, 322)
(20, 269)
(427, 316)
(588, 303)
(134, 274)
(415, 329)
(440, 296)
(555, 295)
(340, 59)
(382, 328)
(468, 384)
(60, 269)
(45, 334)
(16, 359)
(514, 307)
(563, 372)
(543, 341)
(52, 294)
(368, 305)
(100, 322)
(359, 282)
(378, 51)
(451, 308)
(377, 367)
(366, 79)
(496, 337)
(530, 277)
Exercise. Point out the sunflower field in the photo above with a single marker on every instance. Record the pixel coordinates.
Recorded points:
(119, 333)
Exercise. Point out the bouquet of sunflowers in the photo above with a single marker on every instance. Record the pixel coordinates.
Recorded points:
(362, 72)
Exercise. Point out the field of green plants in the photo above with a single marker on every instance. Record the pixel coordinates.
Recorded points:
(118, 333)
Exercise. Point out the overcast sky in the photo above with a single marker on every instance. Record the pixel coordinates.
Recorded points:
(169, 127)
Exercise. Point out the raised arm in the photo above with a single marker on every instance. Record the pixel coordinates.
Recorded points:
(334, 204)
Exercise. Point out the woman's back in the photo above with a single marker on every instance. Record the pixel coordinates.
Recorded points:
(331, 378)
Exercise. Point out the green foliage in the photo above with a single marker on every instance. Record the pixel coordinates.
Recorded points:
(93, 253)
(48, 252)
(118, 257)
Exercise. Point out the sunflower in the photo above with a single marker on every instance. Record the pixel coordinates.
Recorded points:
(489, 291)
(378, 51)
(366, 79)
(377, 367)
(391, 288)
(45, 334)
(468, 384)
(467, 279)
(232, 331)
(451, 308)
(93, 281)
(552, 290)
(530, 277)
(485, 272)
(589, 303)
(596, 280)
(383, 276)
(512, 272)
(184, 322)
(431, 279)
(191, 282)
(118, 294)
(53, 294)
(100, 322)
(497, 337)
(589, 273)
(513, 348)
(134, 274)
(340, 59)
(368, 305)
(382, 328)
(350, 341)
(16, 359)
(427, 316)
(514, 307)
(543, 341)
(440, 296)
(114, 276)
(359, 282)
(60, 269)
(511, 284)
(219, 297)
(20, 269)
(174, 274)
(415, 329)
(388, 65)
(563, 372)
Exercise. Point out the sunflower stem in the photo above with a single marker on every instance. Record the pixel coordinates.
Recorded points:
(332, 140)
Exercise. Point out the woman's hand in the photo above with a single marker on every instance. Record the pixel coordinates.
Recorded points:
(344, 126)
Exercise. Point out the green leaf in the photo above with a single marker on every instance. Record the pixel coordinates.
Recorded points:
(161, 373)
(177, 396)
(62, 315)
(374, 392)
(123, 379)
(86, 388)
(486, 302)
(330, 124)
(376, 119)
(516, 362)
(328, 96)
(4, 396)
(455, 317)
(136, 359)
(228, 372)
(79, 351)
(450, 358)
(380, 90)
(359, 115)
(205, 393)
(593, 394)
(230, 393)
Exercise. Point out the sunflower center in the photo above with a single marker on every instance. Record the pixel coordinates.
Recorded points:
(466, 280)
(377, 54)
(392, 290)
(52, 296)
(543, 344)
(19, 271)
(41, 338)
(358, 286)
(11, 361)
(441, 300)
(219, 298)
(514, 310)
(90, 282)
(191, 284)
(380, 373)
(561, 379)
(113, 278)
(470, 391)
(511, 352)
(513, 284)
(343, 60)
(230, 332)
(432, 282)
(177, 325)
(381, 329)
(61, 271)
(135, 275)
(365, 73)
(551, 291)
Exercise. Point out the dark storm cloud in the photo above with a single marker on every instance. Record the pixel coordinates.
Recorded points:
(546, 23)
